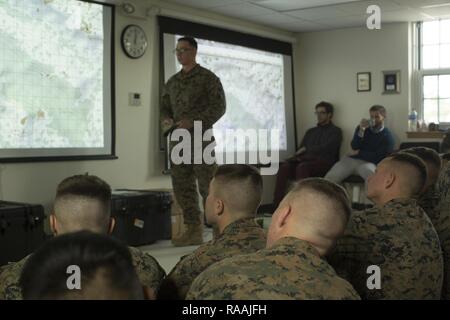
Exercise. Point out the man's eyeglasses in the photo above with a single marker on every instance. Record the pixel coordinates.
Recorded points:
(181, 51)
(320, 112)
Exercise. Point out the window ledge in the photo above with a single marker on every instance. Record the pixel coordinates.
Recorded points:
(425, 134)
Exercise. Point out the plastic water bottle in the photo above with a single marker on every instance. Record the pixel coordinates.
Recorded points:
(412, 121)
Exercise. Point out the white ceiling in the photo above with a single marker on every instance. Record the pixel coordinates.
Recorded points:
(314, 15)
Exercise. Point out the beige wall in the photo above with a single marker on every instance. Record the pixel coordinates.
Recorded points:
(139, 163)
(326, 64)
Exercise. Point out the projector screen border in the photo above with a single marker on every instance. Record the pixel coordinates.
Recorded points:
(108, 151)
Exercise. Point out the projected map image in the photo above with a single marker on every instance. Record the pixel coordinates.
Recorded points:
(254, 89)
(51, 78)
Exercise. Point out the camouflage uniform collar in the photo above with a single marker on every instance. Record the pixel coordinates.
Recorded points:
(399, 201)
(291, 243)
(191, 73)
(432, 192)
(238, 225)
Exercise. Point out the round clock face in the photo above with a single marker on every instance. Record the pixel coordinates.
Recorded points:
(134, 41)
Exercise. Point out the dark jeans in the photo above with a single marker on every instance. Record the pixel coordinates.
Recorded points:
(300, 168)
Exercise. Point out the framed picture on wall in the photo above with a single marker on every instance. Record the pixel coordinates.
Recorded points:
(363, 81)
(391, 82)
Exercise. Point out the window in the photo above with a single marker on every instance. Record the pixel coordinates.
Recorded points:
(434, 71)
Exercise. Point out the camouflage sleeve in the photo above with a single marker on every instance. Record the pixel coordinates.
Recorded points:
(176, 285)
(429, 202)
(195, 291)
(209, 285)
(165, 106)
(446, 257)
(345, 258)
(2, 282)
(149, 271)
(216, 104)
(443, 224)
(9, 280)
(229, 280)
(443, 182)
(444, 234)
(177, 282)
(350, 251)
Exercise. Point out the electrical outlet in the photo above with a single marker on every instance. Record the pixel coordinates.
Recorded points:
(134, 99)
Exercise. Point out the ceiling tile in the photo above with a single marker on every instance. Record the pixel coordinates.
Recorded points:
(317, 13)
(358, 8)
(440, 12)
(284, 5)
(321, 14)
(304, 26)
(403, 16)
(275, 18)
(420, 3)
(205, 3)
(242, 10)
(348, 21)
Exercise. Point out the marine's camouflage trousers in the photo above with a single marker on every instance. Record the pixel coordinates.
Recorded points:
(184, 182)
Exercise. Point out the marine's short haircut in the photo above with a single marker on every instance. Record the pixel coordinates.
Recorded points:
(189, 39)
(83, 202)
(105, 267)
(418, 164)
(328, 106)
(245, 183)
(380, 109)
(85, 185)
(426, 154)
(329, 190)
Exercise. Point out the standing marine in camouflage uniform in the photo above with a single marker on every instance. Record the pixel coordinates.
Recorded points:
(442, 224)
(396, 236)
(304, 228)
(83, 203)
(233, 213)
(193, 94)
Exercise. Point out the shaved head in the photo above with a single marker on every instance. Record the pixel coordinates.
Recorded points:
(329, 203)
(411, 171)
(319, 212)
(82, 202)
(401, 175)
(239, 186)
(432, 161)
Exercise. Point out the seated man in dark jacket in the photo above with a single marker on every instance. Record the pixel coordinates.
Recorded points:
(318, 152)
(371, 143)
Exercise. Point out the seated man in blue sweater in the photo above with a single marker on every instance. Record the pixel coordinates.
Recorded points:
(371, 143)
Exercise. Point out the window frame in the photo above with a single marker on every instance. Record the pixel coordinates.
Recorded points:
(419, 74)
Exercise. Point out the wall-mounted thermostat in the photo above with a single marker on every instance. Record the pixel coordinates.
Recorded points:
(134, 99)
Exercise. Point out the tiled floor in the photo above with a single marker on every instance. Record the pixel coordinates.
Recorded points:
(168, 255)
